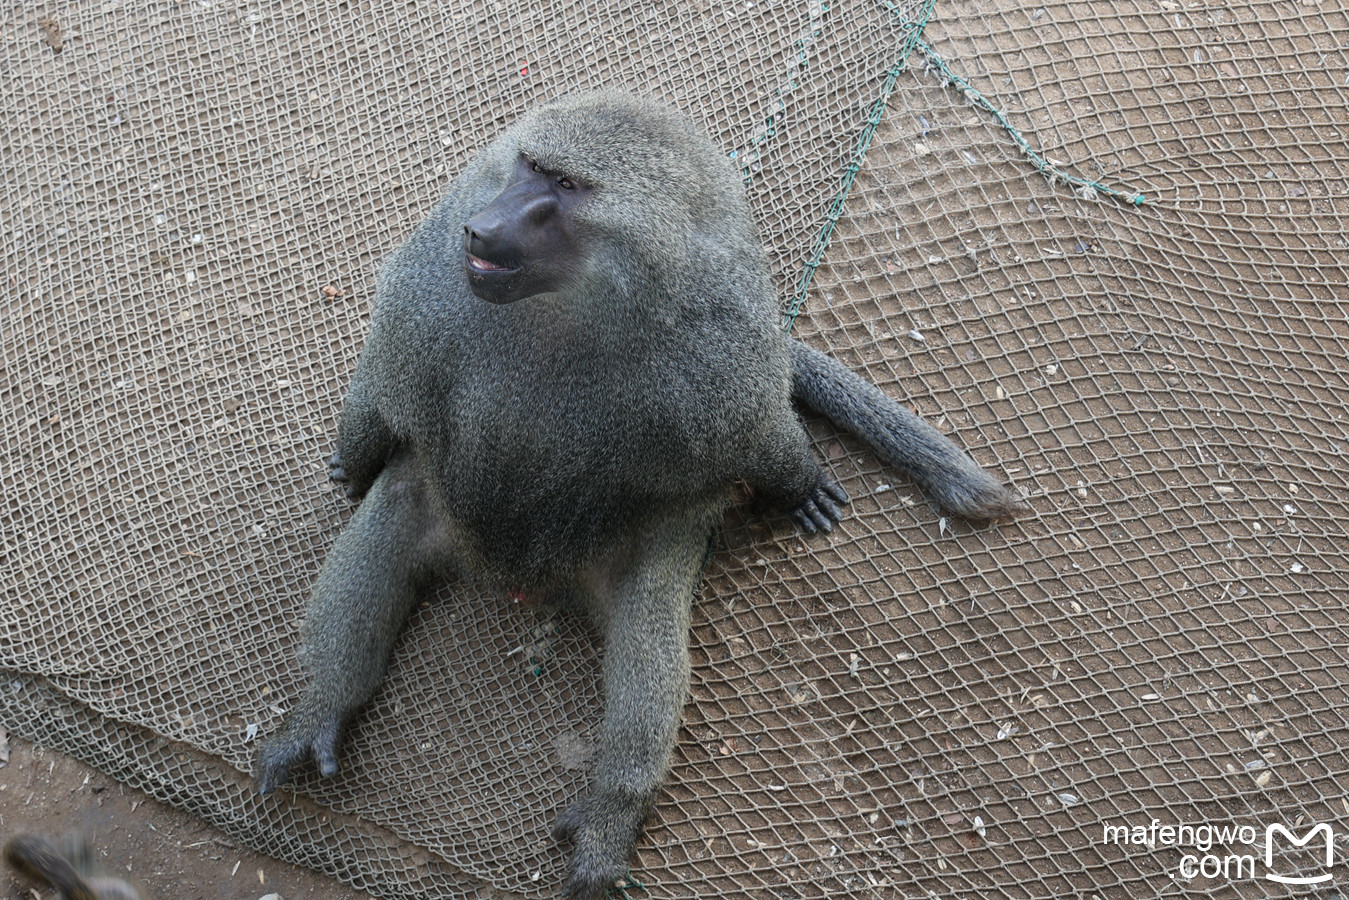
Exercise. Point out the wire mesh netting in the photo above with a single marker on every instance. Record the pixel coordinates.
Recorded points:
(195, 198)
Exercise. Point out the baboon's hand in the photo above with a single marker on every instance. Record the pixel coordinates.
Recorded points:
(602, 830)
(820, 510)
(338, 475)
(300, 738)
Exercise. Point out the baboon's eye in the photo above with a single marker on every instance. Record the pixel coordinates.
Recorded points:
(565, 184)
(536, 167)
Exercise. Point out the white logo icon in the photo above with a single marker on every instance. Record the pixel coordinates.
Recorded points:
(1269, 852)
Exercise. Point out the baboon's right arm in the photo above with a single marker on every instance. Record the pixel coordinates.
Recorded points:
(785, 475)
(364, 445)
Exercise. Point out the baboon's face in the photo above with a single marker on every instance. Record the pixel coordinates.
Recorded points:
(528, 240)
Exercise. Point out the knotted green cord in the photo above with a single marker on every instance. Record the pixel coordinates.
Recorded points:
(1050, 171)
(913, 39)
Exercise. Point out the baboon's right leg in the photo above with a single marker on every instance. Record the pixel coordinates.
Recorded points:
(642, 605)
(378, 568)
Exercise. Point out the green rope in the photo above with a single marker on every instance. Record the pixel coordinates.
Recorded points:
(914, 28)
(1048, 169)
(621, 890)
(913, 40)
(822, 240)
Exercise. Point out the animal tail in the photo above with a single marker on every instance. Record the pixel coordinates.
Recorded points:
(899, 437)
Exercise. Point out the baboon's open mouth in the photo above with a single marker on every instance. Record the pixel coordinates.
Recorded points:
(486, 266)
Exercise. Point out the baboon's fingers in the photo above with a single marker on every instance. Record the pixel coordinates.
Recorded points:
(804, 515)
(335, 471)
(337, 474)
(567, 822)
(601, 830)
(821, 510)
(828, 503)
(835, 490)
(272, 772)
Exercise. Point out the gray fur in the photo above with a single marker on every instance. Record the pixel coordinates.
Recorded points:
(899, 437)
(70, 870)
(582, 442)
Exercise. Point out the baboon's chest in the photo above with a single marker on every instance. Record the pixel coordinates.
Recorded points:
(532, 487)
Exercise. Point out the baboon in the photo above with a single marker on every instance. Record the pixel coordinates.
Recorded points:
(70, 872)
(570, 363)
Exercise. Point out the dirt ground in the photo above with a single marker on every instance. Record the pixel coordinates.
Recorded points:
(164, 852)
